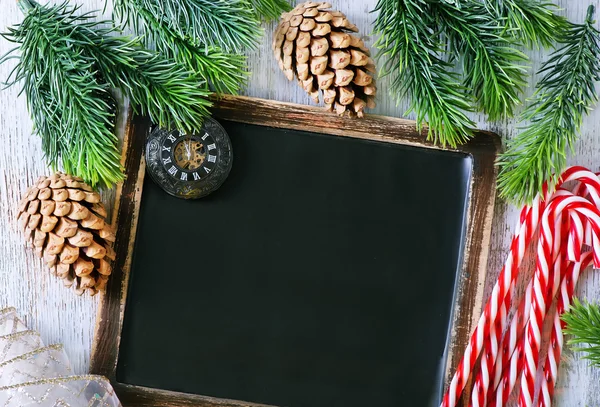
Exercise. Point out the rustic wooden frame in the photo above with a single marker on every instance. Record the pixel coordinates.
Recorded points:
(482, 148)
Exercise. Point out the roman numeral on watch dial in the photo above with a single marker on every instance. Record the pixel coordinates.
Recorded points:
(166, 160)
(184, 176)
(196, 176)
(173, 170)
(172, 138)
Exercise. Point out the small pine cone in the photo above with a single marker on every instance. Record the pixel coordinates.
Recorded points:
(63, 220)
(315, 45)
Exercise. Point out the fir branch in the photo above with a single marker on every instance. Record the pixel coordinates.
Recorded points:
(71, 108)
(410, 42)
(269, 10)
(583, 322)
(68, 63)
(223, 72)
(562, 97)
(530, 22)
(159, 88)
(228, 24)
(493, 69)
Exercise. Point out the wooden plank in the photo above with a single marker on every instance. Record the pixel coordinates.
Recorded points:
(109, 319)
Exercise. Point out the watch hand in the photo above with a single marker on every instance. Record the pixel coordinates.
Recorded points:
(189, 152)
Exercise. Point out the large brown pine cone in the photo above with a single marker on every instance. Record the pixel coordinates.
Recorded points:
(63, 220)
(314, 44)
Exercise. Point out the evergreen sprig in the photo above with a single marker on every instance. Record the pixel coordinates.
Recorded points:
(562, 97)
(422, 39)
(533, 23)
(223, 72)
(67, 65)
(583, 322)
(413, 50)
(494, 71)
(227, 24)
(269, 10)
(206, 36)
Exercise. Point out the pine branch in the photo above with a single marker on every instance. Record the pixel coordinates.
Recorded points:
(227, 24)
(530, 22)
(71, 108)
(410, 42)
(69, 62)
(269, 10)
(223, 72)
(583, 322)
(493, 69)
(159, 88)
(562, 97)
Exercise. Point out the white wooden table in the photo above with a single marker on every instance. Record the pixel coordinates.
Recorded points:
(62, 317)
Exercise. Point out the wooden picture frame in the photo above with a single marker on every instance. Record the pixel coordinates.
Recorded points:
(482, 148)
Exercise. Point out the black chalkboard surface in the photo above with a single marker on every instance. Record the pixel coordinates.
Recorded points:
(321, 274)
(341, 264)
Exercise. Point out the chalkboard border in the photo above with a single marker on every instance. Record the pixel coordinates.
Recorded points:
(483, 149)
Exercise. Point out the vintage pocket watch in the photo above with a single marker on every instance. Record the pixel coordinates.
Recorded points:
(189, 166)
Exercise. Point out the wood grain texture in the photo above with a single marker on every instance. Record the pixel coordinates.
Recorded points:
(61, 317)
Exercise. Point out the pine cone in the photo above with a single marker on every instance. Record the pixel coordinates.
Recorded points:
(313, 44)
(63, 220)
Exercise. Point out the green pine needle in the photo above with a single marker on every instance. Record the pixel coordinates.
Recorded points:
(269, 10)
(493, 69)
(231, 25)
(533, 23)
(583, 322)
(413, 51)
(562, 97)
(67, 65)
(158, 87)
(223, 72)
(71, 107)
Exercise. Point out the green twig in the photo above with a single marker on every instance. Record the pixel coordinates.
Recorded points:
(563, 96)
(68, 63)
(412, 52)
(583, 322)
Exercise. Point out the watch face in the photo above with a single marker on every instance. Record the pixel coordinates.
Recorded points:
(189, 165)
(189, 157)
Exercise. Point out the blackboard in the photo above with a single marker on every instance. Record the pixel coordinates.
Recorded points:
(324, 272)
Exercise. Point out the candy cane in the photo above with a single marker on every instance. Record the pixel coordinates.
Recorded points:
(567, 288)
(491, 363)
(489, 318)
(482, 382)
(513, 345)
(546, 390)
(542, 295)
(521, 240)
(491, 344)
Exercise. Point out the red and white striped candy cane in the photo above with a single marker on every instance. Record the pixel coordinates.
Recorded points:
(506, 379)
(520, 242)
(567, 288)
(491, 312)
(542, 293)
(490, 353)
(497, 352)
(491, 343)
(509, 363)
